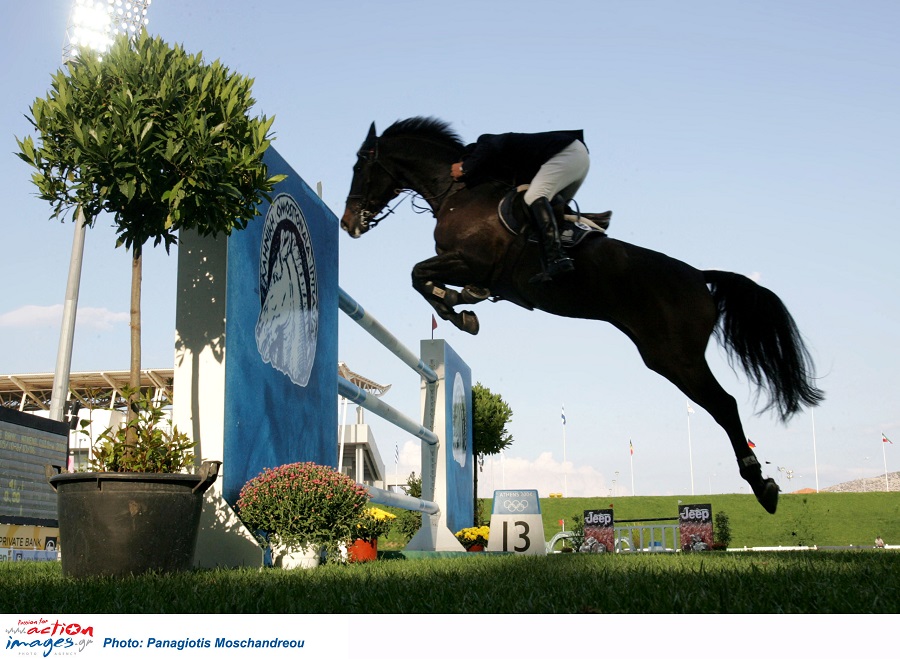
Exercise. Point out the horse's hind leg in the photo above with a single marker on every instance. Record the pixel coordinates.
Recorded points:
(430, 278)
(695, 379)
(709, 394)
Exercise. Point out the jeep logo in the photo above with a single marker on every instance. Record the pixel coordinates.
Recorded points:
(597, 519)
(698, 514)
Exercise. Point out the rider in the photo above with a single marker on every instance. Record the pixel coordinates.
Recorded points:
(555, 162)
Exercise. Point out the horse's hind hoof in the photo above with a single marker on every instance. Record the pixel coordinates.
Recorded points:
(467, 322)
(474, 294)
(767, 495)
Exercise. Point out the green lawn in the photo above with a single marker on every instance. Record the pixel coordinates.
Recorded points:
(714, 582)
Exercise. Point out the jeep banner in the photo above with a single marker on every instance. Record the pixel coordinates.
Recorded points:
(598, 531)
(696, 526)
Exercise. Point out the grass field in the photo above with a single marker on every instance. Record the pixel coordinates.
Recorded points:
(864, 581)
(714, 582)
(826, 519)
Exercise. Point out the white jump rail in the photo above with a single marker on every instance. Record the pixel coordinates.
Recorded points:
(433, 536)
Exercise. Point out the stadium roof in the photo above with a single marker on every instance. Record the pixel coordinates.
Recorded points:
(30, 392)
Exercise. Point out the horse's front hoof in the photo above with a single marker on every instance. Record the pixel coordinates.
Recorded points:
(468, 322)
(767, 495)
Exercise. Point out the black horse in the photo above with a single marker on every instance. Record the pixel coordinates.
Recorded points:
(666, 307)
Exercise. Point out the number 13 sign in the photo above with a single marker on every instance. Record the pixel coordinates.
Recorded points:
(516, 522)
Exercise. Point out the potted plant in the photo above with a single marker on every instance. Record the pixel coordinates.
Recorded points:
(372, 523)
(721, 531)
(474, 538)
(300, 510)
(138, 509)
(161, 141)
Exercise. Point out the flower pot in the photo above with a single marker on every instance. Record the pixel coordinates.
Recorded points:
(306, 557)
(475, 548)
(116, 524)
(363, 550)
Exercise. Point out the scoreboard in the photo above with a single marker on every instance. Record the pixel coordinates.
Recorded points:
(27, 444)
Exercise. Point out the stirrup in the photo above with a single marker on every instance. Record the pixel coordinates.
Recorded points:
(560, 266)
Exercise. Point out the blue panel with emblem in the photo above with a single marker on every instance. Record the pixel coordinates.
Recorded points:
(460, 463)
(281, 334)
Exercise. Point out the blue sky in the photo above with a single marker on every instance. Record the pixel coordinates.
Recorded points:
(759, 138)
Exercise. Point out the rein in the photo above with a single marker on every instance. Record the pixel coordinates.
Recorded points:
(370, 157)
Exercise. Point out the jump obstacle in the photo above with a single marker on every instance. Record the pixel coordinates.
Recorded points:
(436, 508)
(261, 389)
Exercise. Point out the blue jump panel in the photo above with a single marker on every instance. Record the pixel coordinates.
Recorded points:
(281, 334)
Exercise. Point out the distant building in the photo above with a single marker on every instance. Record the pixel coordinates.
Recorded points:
(97, 397)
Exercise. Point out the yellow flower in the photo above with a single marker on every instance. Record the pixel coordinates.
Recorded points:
(474, 535)
(379, 514)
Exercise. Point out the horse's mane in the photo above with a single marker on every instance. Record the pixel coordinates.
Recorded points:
(427, 127)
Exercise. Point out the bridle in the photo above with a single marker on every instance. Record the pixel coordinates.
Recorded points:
(368, 158)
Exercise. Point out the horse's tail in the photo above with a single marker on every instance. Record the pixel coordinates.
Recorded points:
(756, 327)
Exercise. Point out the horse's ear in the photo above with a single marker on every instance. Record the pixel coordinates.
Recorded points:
(372, 136)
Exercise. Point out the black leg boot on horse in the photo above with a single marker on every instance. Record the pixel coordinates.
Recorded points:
(554, 260)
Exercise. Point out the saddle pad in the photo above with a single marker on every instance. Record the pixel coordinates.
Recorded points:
(513, 214)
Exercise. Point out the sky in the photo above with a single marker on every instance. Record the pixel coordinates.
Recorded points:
(760, 138)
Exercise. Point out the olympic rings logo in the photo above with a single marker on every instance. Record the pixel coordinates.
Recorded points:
(516, 506)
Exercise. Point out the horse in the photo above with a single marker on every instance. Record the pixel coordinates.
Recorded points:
(667, 308)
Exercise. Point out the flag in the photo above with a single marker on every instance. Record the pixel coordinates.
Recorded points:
(630, 447)
(433, 323)
(690, 409)
(396, 454)
(563, 415)
(750, 443)
(885, 440)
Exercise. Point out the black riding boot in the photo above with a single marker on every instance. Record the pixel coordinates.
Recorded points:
(555, 262)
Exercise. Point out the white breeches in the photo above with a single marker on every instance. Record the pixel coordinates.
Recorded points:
(562, 174)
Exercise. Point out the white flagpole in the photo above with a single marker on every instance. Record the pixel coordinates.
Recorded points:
(887, 487)
(343, 434)
(815, 459)
(690, 411)
(565, 468)
(493, 487)
(631, 461)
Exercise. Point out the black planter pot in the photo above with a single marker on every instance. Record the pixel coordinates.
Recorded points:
(116, 524)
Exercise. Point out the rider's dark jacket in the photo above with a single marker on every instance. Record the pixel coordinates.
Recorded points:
(513, 157)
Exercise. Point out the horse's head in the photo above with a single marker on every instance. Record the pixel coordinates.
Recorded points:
(370, 191)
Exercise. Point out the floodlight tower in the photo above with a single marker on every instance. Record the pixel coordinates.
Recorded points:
(93, 24)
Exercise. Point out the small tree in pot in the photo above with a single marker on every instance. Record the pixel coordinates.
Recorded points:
(156, 137)
(163, 142)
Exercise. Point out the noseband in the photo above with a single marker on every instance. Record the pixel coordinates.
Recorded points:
(369, 222)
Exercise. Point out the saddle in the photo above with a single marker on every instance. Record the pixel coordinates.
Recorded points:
(516, 218)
